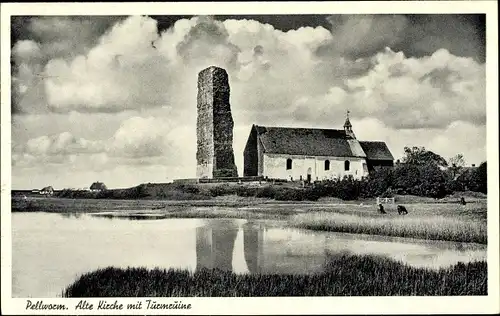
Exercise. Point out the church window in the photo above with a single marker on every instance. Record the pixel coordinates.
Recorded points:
(288, 164)
(347, 165)
(327, 164)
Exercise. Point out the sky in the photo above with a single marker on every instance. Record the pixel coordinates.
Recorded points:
(113, 98)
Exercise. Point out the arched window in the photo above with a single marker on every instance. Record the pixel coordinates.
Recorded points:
(347, 164)
(288, 164)
(327, 164)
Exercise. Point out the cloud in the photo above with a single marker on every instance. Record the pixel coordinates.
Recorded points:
(26, 51)
(68, 36)
(140, 137)
(59, 144)
(208, 40)
(138, 140)
(418, 35)
(356, 36)
(37, 40)
(134, 68)
(127, 97)
(409, 93)
(459, 137)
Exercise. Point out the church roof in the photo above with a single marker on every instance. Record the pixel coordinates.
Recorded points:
(308, 141)
(376, 150)
(319, 142)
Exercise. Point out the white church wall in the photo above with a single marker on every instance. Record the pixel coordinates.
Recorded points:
(337, 168)
(260, 155)
(275, 167)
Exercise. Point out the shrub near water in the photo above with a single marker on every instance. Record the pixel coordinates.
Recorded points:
(345, 274)
(428, 227)
(268, 191)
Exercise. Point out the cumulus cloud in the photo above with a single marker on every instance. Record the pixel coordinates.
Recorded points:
(66, 36)
(140, 137)
(432, 91)
(138, 140)
(37, 40)
(127, 95)
(356, 36)
(459, 137)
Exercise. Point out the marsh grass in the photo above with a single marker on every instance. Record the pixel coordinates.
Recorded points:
(199, 212)
(345, 275)
(417, 226)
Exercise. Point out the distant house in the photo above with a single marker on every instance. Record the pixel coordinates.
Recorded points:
(98, 186)
(47, 191)
(312, 153)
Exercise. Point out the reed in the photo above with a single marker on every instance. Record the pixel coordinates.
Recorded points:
(345, 275)
(421, 227)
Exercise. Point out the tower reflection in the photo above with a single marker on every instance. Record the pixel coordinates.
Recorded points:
(215, 244)
(253, 242)
(262, 250)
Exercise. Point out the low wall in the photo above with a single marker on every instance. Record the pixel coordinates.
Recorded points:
(218, 180)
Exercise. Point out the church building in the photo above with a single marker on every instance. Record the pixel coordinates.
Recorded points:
(312, 154)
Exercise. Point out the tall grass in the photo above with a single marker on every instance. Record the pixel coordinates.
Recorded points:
(422, 227)
(345, 275)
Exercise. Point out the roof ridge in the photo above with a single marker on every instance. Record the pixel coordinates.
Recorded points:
(290, 127)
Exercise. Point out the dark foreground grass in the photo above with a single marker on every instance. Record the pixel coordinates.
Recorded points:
(346, 275)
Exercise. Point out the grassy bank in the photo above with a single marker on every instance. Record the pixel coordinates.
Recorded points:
(345, 275)
(431, 227)
(438, 221)
(63, 205)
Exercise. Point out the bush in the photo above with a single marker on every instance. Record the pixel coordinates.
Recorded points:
(221, 189)
(312, 194)
(378, 183)
(188, 188)
(265, 192)
(289, 194)
(246, 191)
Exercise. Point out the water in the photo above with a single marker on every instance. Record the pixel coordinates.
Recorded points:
(51, 250)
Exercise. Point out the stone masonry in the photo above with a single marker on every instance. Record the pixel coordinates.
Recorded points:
(214, 127)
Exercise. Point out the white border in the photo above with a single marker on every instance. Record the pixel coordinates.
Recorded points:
(295, 305)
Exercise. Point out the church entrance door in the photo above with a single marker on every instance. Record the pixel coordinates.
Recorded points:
(309, 171)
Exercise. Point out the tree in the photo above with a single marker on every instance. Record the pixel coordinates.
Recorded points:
(456, 164)
(482, 178)
(472, 179)
(422, 156)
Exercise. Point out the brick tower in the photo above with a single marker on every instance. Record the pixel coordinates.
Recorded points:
(214, 127)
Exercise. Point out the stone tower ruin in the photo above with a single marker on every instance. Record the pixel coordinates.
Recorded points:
(214, 127)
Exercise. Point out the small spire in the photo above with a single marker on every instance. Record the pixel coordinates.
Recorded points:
(348, 126)
(347, 123)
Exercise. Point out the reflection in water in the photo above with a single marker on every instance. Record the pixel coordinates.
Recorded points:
(280, 250)
(44, 262)
(253, 244)
(264, 250)
(215, 244)
(71, 214)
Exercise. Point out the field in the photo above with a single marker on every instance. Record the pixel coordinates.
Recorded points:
(434, 221)
(346, 275)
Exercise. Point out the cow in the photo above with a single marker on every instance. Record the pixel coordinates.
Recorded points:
(402, 210)
(462, 201)
(381, 209)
